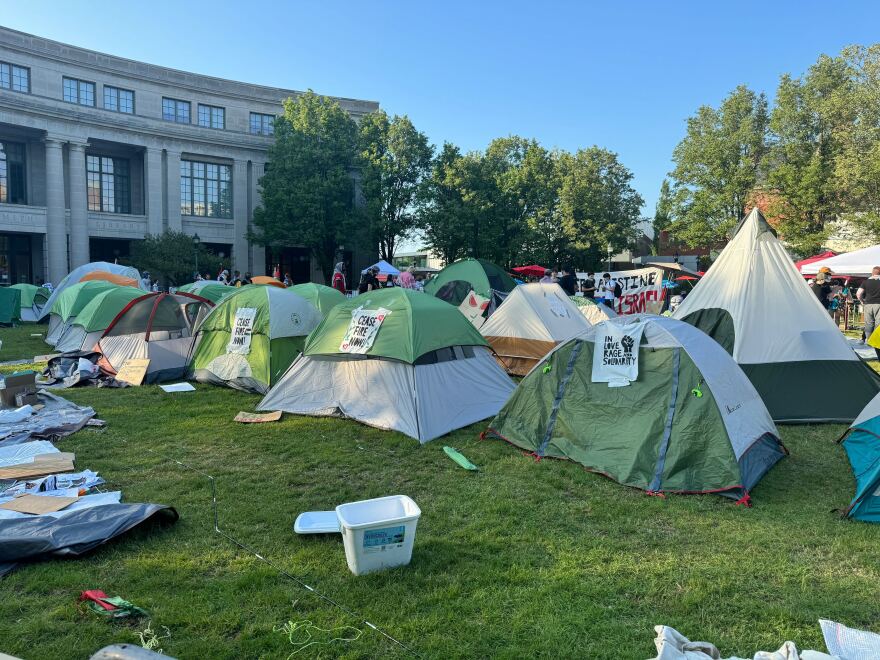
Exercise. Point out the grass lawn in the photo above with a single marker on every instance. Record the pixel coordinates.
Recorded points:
(522, 559)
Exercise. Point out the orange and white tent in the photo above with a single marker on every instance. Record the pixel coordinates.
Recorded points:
(531, 321)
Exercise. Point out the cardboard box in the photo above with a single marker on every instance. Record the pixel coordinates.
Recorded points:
(18, 389)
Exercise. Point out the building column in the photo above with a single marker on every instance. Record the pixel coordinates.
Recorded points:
(172, 189)
(258, 252)
(240, 257)
(153, 187)
(79, 209)
(56, 226)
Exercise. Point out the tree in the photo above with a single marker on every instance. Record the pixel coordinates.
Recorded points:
(807, 124)
(445, 219)
(598, 207)
(717, 166)
(395, 157)
(309, 185)
(172, 256)
(662, 212)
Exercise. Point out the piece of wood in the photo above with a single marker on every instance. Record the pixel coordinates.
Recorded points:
(42, 465)
(38, 504)
(257, 418)
(133, 371)
(45, 358)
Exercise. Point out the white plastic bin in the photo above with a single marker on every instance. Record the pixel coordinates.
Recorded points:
(378, 533)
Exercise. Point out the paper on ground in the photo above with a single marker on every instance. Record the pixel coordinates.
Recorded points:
(37, 504)
(178, 387)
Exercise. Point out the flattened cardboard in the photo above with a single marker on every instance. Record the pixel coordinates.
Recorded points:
(42, 465)
(38, 504)
(133, 371)
(257, 418)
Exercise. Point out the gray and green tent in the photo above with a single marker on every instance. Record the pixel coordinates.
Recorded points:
(213, 291)
(323, 297)
(33, 298)
(484, 278)
(273, 324)
(86, 328)
(691, 422)
(755, 303)
(63, 308)
(10, 305)
(395, 359)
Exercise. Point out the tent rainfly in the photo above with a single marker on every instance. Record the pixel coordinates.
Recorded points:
(213, 291)
(76, 275)
(862, 445)
(755, 304)
(323, 297)
(251, 337)
(691, 422)
(155, 326)
(86, 328)
(532, 321)
(593, 311)
(63, 308)
(394, 359)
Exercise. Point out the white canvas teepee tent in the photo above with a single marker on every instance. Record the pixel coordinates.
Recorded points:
(754, 303)
(533, 319)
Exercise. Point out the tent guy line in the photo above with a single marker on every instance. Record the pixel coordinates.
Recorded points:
(243, 546)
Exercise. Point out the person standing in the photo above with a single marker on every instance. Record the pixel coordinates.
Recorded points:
(146, 282)
(589, 285)
(338, 280)
(567, 281)
(607, 288)
(408, 278)
(821, 287)
(869, 295)
(548, 277)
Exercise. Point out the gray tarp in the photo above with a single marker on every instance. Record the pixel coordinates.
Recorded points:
(58, 418)
(44, 537)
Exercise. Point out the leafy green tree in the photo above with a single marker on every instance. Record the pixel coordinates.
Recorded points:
(171, 256)
(598, 207)
(395, 157)
(717, 166)
(662, 212)
(309, 185)
(807, 124)
(445, 218)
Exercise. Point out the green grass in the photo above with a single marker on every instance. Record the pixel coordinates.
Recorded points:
(18, 343)
(522, 559)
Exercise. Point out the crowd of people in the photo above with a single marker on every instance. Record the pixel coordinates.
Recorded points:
(604, 290)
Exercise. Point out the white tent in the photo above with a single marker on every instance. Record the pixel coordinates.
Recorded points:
(755, 304)
(78, 273)
(533, 319)
(857, 263)
(594, 312)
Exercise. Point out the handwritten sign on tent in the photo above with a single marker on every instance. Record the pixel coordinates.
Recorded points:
(473, 307)
(362, 330)
(133, 371)
(242, 330)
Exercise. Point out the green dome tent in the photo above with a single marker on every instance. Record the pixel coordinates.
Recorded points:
(29, 298)
(252, 337)
(395, 359)
(690, 422)
(63, 308)
(10, 305)
(323, 297)
(457, 280)
(213, 291)
(86, 328)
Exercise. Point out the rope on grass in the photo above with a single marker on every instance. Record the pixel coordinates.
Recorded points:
(243, 546)
(292, 628)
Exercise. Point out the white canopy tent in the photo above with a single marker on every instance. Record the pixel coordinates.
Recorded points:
(857, 263)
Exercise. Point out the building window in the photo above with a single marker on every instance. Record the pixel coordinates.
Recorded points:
(16, 78)
(12, 173)
(262, 124)
(118, 100)
(205, 189)
(79, 91)
(108, 184)
(212, 116)
(175, 110)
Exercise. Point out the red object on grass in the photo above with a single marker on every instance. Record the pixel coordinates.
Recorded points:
(98, 597)
(532, 271)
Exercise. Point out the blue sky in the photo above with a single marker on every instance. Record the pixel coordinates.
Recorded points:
(622, 75)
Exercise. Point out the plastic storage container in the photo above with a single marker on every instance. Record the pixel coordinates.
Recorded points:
(378, 533)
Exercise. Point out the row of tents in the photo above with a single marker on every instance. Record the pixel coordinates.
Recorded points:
(698, 418)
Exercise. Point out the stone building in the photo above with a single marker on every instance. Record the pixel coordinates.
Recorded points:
(97, 151)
